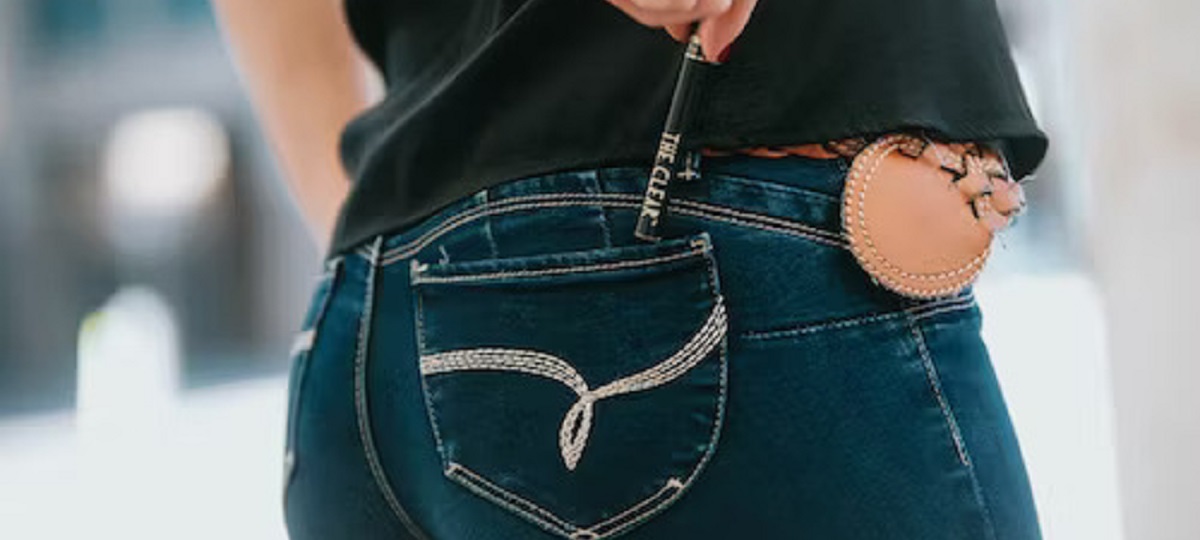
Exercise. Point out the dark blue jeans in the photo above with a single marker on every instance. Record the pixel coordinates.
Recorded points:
(520, 366)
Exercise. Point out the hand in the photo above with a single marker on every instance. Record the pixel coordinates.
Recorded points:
(721, 21)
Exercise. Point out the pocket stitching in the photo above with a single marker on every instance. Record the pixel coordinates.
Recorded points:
(769, 185)
(502, 206)
(361, 412)
(549, 366)
(935, 385)
(419, 319)
(758, 221)
(616, 200)
(477, 483)
(419, 269)
(718, 423)
(627, 518)
(916, 312)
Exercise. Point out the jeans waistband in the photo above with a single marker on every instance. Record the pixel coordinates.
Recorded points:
(791, 191)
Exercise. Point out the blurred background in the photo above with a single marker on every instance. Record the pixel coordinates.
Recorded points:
(153, 269)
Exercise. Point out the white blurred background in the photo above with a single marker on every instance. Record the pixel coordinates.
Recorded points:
(153, 268)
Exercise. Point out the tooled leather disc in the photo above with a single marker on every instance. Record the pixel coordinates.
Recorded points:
(909, 224)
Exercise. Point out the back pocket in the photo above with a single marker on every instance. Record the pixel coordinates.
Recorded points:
(300, 355)
(584, 390)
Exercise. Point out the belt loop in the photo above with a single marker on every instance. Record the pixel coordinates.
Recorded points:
(376, 251)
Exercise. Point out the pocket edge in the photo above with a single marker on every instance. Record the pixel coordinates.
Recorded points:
(562, 263)
(611, 526)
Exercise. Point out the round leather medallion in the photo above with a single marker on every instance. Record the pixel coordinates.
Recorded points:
(920, 216)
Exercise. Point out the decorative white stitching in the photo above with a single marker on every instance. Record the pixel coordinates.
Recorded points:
(418, 277)
(968, 304)
(917, 312)
(487, 229)
(817, 233)
(948, 414)
(753, 183)
(940, 302)
(624, 521)
(593, 181)
(618, 200)
(360, 398)
(523, 202)
(503, 497)
(819, 326)
(419, 322)
(671, 486)
(576, 424)
(869, 257)
(935, 385)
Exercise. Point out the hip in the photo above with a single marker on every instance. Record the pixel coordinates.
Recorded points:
(520, 366)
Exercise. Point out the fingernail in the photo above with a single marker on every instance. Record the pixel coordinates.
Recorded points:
(724, 54)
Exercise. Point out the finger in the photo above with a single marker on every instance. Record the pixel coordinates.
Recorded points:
(664, 17)
(719, 32)
(700, 6)
(681, 32)
(665, 5)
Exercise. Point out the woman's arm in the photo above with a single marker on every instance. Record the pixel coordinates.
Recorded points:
(306, 79)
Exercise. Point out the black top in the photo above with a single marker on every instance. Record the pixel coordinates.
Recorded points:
(483, 91)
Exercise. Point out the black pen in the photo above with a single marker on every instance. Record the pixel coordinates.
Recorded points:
(667, 159)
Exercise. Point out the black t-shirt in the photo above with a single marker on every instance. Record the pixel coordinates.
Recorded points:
(483, 91)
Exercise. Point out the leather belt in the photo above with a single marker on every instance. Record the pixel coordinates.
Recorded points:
(919, 215)
(995, 202)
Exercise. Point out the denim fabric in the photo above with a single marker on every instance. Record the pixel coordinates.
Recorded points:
(518, 365)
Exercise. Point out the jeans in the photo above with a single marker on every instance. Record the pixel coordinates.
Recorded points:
(519, 366)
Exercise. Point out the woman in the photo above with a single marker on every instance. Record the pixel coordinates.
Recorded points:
(491, 352)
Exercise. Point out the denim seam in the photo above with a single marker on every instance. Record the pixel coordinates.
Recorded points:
(800, 228)
(487, 228)
(360, 397)
(931, 307)
(759, 335)
(594, 182)
(636, 513)
(766, 185)
(966, 304)
(572, 443)
(489, 490)
(714, 438)
(621, 200)
(561, 270)
(629, 517)
(952, 424)
(765, 223)
(490, 208)
(419, 320)
(916, 312)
